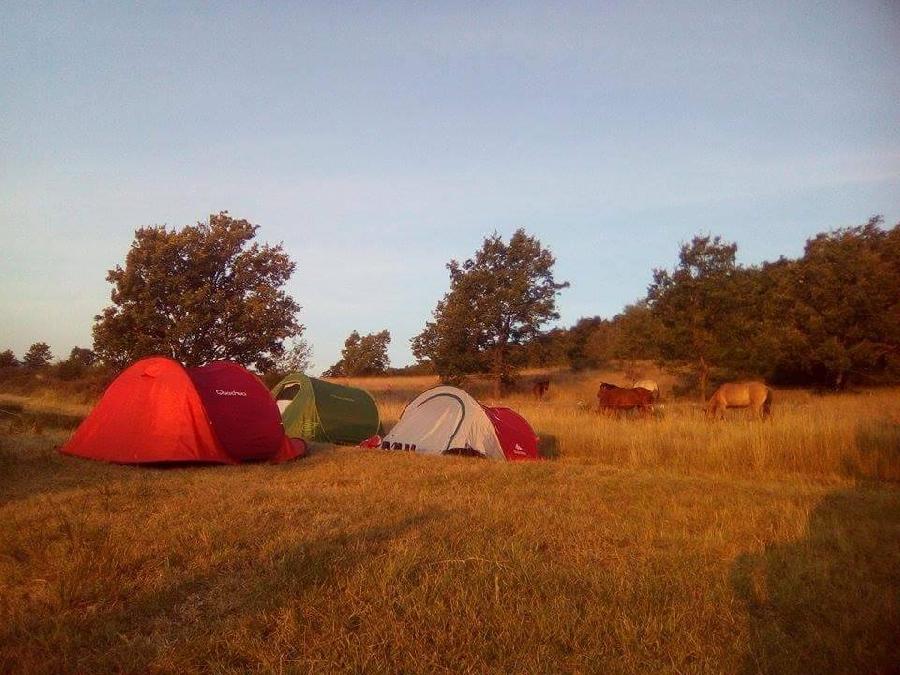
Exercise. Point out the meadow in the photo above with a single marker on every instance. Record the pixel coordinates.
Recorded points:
(671, 544)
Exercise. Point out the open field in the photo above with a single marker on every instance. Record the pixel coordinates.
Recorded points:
(668, 544)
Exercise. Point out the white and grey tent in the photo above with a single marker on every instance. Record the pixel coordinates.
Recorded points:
(447, 420)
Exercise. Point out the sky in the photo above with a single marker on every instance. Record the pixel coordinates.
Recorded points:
(379, 140)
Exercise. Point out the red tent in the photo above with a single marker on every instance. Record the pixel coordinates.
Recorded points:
(157, 411)
(515, 434)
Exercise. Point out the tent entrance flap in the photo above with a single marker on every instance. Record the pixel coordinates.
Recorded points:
(289, 393)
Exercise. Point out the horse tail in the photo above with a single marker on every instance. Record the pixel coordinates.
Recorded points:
(767, 404)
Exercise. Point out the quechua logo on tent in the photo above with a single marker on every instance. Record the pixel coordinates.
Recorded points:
(233, 392)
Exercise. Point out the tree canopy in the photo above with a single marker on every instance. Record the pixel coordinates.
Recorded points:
(830, 316)
(8, 359)
(844, 315)
(695, 303)
(197, 294)
(37, 356)
(498, 299)
(362, 355)
(297, 357)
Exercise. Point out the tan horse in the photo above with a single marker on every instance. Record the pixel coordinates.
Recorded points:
(754, 395)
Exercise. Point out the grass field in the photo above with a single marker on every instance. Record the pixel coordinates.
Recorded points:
(667, 544)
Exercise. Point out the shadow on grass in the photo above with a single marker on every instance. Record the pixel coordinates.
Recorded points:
(878, 441)
(243, 587)
(548, 446)
(31, 465)
(828, 602)
(19, 420)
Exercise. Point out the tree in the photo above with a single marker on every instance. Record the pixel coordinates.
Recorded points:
(844, 318)
(695, 303)
(38, 356)
(74, 367)
(362, 355)
(635, 335)
(198, 294)
(82, 356)
(547, 348)
(8, 359)
(297, 358)
(590, 343)
(497, 300)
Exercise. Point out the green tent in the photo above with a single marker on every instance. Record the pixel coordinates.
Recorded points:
(322, 411)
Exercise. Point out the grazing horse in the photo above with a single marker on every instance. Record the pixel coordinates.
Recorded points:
(540, 387)
(649, 385)
(754, 395)
(613, 398)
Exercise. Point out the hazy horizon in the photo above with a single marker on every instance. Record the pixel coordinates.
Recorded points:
(378, 142)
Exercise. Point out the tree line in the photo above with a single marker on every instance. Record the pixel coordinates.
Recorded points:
(826, 318)
(210, 291)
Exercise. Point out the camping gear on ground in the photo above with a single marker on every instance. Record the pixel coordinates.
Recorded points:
(447, 420)
(158, 411)
(323, 411)
(371, 442)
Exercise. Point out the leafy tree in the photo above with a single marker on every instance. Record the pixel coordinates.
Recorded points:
(695, 304)
(586, 343)
(197, 294)
(548, 348)
(296, 359)
(845, 310)
(498, 299)
(38, 356)
(80, 359)
(636, 335)
(82, 356)
(8, 359)
(362, 355)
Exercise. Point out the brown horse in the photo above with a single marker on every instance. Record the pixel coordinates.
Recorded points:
(754, 395)
(613, 398)
(540, 387)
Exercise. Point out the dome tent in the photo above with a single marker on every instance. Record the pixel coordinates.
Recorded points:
(158, 411)
(448, 420)
(323, 411)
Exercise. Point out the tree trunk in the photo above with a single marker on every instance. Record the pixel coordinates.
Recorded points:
(498, 372)
(704, 378)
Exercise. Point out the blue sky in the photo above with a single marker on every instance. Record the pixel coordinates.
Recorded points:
(379, 140)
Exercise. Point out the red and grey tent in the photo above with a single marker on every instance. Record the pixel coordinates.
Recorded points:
(158, 411)
(447, 420)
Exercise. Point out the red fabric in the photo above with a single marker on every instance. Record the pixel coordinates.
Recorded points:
(371, 442)
(517, 438)
(245, 418)
(291, 448)
(152, 413)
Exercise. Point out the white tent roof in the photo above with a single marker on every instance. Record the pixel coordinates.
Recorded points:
(445, 418)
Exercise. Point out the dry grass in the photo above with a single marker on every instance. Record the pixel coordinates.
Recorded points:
(853, 435)
(670, 544)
